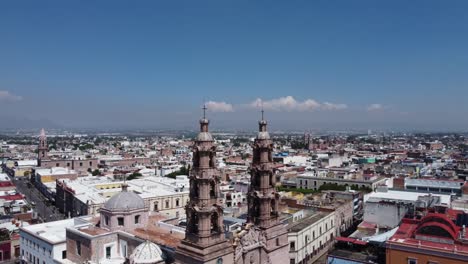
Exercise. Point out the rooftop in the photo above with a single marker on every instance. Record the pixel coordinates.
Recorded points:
(435, 231)
(53, 232)
(392, 195)
(306, 222)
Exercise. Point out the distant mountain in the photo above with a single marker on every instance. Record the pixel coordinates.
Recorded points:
(8, 122)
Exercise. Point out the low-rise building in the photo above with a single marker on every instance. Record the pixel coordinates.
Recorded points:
(313, 180)
(46, 243)
(311, 237)
(438, 237)
(86, 195)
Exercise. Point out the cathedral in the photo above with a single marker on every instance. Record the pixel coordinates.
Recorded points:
(263, 238)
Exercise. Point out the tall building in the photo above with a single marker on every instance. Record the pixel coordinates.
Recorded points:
(205, 241)
(265, 238)
(42, 148)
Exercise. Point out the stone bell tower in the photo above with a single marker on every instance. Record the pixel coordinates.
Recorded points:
(42, 148)
(264, 239)
(204, 241)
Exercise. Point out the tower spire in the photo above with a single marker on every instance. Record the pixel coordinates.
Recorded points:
(42, 148)
(263, 198)
(204, 236)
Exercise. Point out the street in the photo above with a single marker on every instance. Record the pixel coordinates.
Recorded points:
(45, 213)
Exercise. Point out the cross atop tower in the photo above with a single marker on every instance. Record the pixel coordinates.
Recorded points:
(263, 112)
(204, 110)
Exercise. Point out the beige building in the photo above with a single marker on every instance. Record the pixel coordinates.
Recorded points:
(86, 195)
(311, 237)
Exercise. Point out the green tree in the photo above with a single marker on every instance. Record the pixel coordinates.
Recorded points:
(134, 175)
(182, 171)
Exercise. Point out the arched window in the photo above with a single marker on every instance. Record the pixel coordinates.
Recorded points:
(156, 206)
(177, 202)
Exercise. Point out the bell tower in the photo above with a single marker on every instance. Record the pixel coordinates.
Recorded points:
(204, 241)
(263, 201)
(42, 148)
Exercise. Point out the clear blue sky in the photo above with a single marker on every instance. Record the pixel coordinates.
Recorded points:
(392, 64)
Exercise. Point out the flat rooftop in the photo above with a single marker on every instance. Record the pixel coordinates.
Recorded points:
(52, 232)
(306, 222)
(392, 195)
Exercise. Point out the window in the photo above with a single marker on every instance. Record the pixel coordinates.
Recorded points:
(108, 252)
(78, 248)
(412, 261)
(106, 219)
(120, 221)
(137, 219)
(57, 164)
(64, 254)
(167, 203)
(156, 206)
(68, 164)
(177, 202)
(219, 261)
(81, 164)
(90, 163)
(292, 246)
(292, 261)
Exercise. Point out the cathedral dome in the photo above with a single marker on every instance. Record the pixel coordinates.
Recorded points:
(147, 253)
(263, 135)
(204, 136)
(124, 201)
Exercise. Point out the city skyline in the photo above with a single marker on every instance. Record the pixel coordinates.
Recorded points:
(312, 65)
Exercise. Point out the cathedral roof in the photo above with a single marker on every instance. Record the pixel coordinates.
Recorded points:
(124, 200)
(147, 252)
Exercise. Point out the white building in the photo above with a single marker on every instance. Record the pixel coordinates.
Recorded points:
(386, 208)
(311, 237)
(46, 243)
(86, 195)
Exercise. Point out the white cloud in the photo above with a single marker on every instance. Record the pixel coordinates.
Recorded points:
(7, 96)
(219, 106)
(375, 107)
(289, 103)
(332, 106)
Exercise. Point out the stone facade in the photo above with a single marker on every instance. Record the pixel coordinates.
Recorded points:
(80, 165)
(93, 248)
(43, 149)
(264, 239)
(205, 240)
